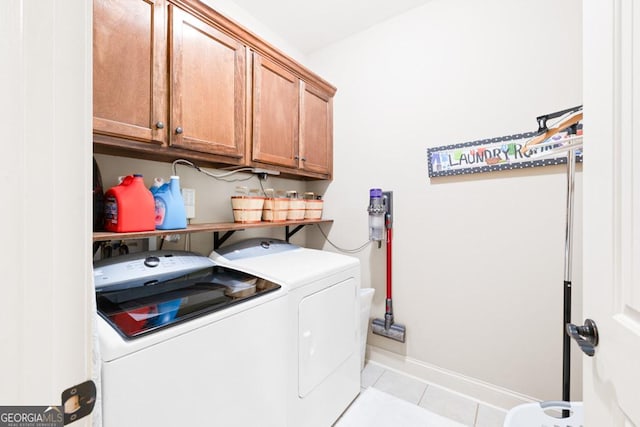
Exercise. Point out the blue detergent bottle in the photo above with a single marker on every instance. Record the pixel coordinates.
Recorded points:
(170, 212)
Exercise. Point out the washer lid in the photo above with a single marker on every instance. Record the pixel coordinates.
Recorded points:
(140, 310)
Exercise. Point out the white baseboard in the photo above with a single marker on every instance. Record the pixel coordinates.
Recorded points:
(481, 391)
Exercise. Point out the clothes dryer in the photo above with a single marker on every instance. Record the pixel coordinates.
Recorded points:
(323, 355)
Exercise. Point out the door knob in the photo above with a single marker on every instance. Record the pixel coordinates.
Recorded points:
(178, 130)
(586, 336)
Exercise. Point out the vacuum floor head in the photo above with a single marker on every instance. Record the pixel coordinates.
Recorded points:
(395, 331)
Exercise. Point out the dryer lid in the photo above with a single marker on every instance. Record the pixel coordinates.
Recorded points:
(255, 247)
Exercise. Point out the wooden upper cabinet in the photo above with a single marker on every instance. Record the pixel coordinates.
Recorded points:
(316, 130)
(129, 69)
(175, 79)
(275, 114)
(292, 121)
(207, 91)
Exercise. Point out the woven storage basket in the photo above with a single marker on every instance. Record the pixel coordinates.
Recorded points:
(296, 209)
(247, 209)
(313, 209)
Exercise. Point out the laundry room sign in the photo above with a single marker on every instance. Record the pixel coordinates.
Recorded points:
(495, 154)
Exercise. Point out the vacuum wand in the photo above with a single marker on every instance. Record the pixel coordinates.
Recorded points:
(388, 315)
(381, 203)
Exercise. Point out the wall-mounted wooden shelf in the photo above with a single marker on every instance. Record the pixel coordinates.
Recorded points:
(227, 227)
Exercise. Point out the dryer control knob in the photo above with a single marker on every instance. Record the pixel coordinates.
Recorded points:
(152, 261)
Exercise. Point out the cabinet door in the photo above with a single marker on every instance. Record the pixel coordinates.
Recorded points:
(207, 87)
(275, 114)
(316, 130)
(129, 69)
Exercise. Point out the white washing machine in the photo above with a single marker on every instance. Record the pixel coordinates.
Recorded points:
(323, 354)
(187, 343)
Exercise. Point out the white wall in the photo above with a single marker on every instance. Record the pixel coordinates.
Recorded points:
(478, 260)
(243, 17)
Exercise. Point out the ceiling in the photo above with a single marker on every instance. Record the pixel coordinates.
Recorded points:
(310, 25)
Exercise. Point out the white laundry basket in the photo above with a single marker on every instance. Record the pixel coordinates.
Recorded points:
(537, 415)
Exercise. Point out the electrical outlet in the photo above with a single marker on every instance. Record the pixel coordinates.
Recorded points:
(261, 171)
(189, 197)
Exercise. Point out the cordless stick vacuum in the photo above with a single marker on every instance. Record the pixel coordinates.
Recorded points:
(381, 219)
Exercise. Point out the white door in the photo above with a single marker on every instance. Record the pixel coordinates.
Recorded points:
(46, 291)
(612, 210)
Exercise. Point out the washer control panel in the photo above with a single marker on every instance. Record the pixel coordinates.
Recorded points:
(145, 268)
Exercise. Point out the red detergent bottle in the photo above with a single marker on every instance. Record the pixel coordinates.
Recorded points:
(129, 206)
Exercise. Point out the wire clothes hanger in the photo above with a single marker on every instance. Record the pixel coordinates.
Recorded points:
(569, 121)
(569, 118)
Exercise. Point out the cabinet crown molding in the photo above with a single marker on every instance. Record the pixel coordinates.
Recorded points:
(254, 42)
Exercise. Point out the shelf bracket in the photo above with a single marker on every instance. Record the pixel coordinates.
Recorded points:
(218, 241)
(288, 233)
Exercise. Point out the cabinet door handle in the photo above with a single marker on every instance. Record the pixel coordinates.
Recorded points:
(296, 157)
(160, 125)
(304, 159)
(179, 130)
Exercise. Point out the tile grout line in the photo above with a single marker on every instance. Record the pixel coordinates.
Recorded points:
(475, 418)
(423, 393)
(378, 379)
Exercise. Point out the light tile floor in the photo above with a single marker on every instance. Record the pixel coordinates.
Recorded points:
(438, 400)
